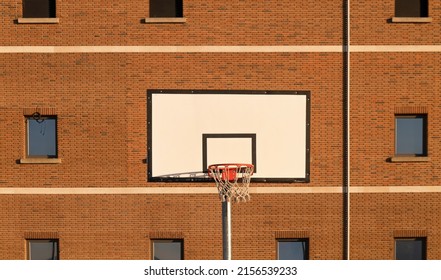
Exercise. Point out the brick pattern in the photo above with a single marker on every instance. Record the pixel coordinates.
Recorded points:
(100, 103)
(410, 233)
(411, 110)
(371, 25)
(398, 83)
(122, 226)
(211, 22)
(101, 107)
(292, 234)
(42, 111)
(377, 219)
(41, 235)
(165, 235)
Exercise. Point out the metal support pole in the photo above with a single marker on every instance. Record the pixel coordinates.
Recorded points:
(346, 129)
(226, 229)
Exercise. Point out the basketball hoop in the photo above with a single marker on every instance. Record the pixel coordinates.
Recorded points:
(232, 180)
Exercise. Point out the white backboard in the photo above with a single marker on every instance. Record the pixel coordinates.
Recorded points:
(189, 130)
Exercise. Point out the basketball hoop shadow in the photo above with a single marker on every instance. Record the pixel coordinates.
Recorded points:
(184, 176)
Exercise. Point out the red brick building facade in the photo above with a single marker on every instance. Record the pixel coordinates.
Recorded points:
(90, 66)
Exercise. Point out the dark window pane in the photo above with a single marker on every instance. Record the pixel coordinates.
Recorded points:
(292, 249)
(167, 250)
(410, 249)
(43, 249)
(166, 8)
(410, 136)
(38, 8)
(42, 137)
(411, 8)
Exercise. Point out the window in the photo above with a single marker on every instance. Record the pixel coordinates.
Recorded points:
(412, 11)
(43, 249)
(411, 135)
(39, 8)
(41, 136)
(410, 248)
(167, 249)
(411, 8)
(166, 8)
(292, 249)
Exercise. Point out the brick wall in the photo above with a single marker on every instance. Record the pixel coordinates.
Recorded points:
(371, 25)
(208, 23)
(100, 101)
(122, 226)
(101, 105)
(398, 82)
(378, 218)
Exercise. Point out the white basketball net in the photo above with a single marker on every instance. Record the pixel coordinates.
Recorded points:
(232, 180)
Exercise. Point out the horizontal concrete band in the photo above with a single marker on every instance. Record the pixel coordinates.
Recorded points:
(213, 190)
(217, 49)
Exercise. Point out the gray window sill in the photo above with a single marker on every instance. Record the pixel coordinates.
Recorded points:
(165, 20)
(38, 20)
(412, 19)
(40, 160)
(409, 159)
